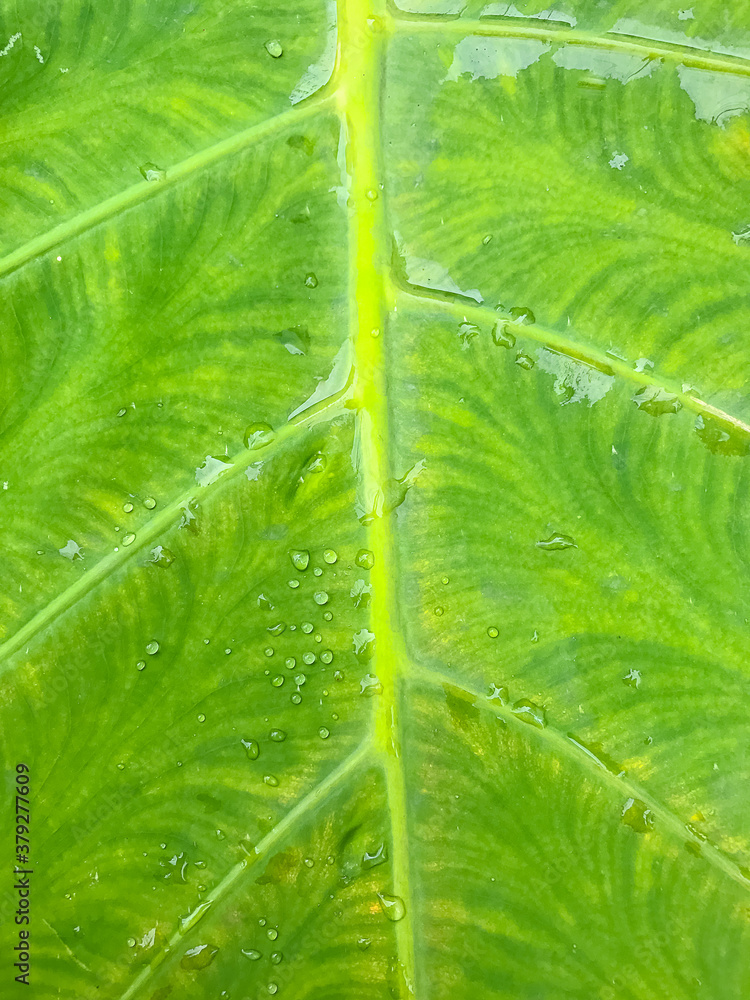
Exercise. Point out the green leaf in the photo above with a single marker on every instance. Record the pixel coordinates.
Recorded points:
(375, 515)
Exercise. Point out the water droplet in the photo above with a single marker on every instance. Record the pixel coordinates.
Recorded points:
(317, 463)
(128, 539)
(502, 336)
(466, 333)
(326, 656)
(372, 194)
(161, 556)
(252, 748)
(307, 627)
(296, 698)
(308, 658)
(277, 958)
(262, 922)
(327, 615)
(201, 718)
(555, 542)
(269, 651)
(365, 559)
(330, 556)
(270, 779)
(278, 681)
(290, 663)
(251, 953)
(439, 612)
(276, 629)
(392, 906)
(227, 651)
(324, 733)
(258, 436)
(486, 240)
(363, 643)
(529, 712)
(371, 859)
(370, 685)
(127, 507)
(637, 815)
(309, 862)
(277, 735)
(321, 597)
(272, 933)
(272, 988)
(274, 49)
(152, 647)
(149, 503)
(524, 361)
(294, 584)
(131, 942)
(311, 280)
(656, 400)
(492, 632)
(522, 315)
(632, 678)
(121, 412)
(141, 664)
(299, 679)
(364, 943)
(199, 957)
(151, 172)
(497, 693)
(300, 559)
(338, 675)
(723, 437)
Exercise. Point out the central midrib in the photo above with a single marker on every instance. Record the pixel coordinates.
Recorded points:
(364, 30)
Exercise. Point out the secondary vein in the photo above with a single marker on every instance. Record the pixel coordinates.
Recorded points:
(588, 355)
(648, 48)
(565, 746)
(285, 826)
(152, 529)
(143, 191)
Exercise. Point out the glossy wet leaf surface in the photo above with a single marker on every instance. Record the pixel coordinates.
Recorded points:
(374, 507)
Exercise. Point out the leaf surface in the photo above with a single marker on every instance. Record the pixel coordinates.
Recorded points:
(373, 451)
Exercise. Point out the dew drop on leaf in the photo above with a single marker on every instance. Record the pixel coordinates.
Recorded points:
(392, 906)
(149, 503)
(555, 542)
(277, 958)
(330, 556)
(363, 643)
(311, 280)
(199, 957)
(274, 49)
(320, 597)
(128, 539)
(127, 507)
(258, 435)
(141, 664)
(324, 733)
(365, 559)
(326, 656)
(277, 735)
(656, 401)
(502, 336)
(290, 663)
(272, 933)
(369, 685)
(371, 859)
(152, 647)
(270, 779)
(492, 632)
(151, 172)
(524, 361)
(278, 681)
(252, 748)
(637, 815)
(530, 712)
(251, 953)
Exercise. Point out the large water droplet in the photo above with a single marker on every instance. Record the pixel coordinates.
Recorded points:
(555, 542)
(656, 401)
(363, 643)
(258, 436)
(251, 953)
(199, 957)
(152, 648)
(274, 49)
(321, 597)
(300, 559)
(529, 712)
(330, 556)
(271, 779)
(151, 172)
(371, 859)
(370, 685)
(392, 906)
(365, 559)
(252, 748)
(637, 815)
